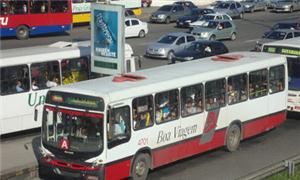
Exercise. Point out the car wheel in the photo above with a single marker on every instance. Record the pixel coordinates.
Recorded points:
(291, 9)
(233, 138)
(170, 55)
(22, 32)
(142, 34)
(212, 37)
(140, 167)
(167, 21)
(233, 36)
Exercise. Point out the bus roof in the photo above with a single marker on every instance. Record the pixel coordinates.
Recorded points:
(293, 42)
(58, 50)
(167, 77)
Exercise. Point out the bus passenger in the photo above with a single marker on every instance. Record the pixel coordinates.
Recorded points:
(119, 125)
(232, 94)
(19, 87)
(34, 85)
(199, 107)
(52, 83)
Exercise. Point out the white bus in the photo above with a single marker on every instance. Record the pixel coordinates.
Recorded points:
(27, 74)
(153, 117)
(291, 49)
(81, 9)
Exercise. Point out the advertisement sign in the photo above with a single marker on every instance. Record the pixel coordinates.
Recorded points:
(108, 40)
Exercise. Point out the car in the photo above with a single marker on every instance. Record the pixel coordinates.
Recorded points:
(169, 13)
(232, 8)
(254, 5)
(208, 17)
(146, 3)
(284, 25)
(200, 49)
(196, 13)
(216, 30)
(213, 4)
(187, 4)
(287, 6)
(275, 35)
(169, 44)
(135, 28)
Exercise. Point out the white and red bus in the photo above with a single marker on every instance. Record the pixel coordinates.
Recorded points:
(23, 18)
(153, 117)
(291, 49)
(34, 68)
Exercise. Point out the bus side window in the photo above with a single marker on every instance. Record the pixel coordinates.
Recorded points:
(59, 6)
(258, 83)
(40, 6)
(4, 8)
(75, 70)
(276, 79)
(237, 89)
(14, 79)
(166, 106)
(191, 100)
(44, 75)
(215, 94)
(119, 130)
(142, 112)
(19, 7)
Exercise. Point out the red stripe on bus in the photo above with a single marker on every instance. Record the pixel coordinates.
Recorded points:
(119, 170)
(74, 113)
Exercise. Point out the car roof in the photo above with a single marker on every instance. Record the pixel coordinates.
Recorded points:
(287, 30)
(131, 18)
(207, 42)
(177, 34)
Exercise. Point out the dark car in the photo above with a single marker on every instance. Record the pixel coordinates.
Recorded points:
(169, 13)
(232, 8)
(184, 21)
(200, 49)
(284, 25)
(187, 4)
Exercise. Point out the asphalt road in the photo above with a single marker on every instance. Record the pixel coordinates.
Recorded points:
(253, 154)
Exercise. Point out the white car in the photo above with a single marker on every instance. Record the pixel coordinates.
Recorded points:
(135, 28)
(209, 17)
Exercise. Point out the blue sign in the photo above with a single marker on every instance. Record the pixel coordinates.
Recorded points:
(106, 33)
(108, 40)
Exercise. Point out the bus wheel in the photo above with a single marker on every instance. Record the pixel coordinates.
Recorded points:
(233, 137)
(140, 167)
(22, 32)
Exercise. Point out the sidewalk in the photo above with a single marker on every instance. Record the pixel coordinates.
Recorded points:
(16, 160)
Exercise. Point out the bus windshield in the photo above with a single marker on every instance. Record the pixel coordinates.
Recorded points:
(73, 131)
(294, 73)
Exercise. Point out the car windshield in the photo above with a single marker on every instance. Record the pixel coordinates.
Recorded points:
(284, 26)
(223, 6)
(210, 24)
(207, 17)
(285, 1)
(73, 131)
(277, 35)
(165, 8)
(250, 1)
(167, 39)
(195, 12)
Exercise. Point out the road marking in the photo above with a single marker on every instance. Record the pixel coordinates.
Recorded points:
(251, 40)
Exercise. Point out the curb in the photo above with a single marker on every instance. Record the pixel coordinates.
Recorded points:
(29, 169)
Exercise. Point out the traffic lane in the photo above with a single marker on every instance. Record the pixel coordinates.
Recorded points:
(253, 154)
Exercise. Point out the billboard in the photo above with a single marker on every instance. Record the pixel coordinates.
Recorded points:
(108, 40)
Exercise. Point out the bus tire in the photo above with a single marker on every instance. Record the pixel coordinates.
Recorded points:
(233, 137)
(22, 32)
(140, 167)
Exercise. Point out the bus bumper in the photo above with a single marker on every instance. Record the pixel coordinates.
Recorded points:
(63, 171)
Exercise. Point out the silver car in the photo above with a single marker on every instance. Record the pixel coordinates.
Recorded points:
(254, 5)
(287, 6)
(232, 8)
(168, 44)
(215, 30)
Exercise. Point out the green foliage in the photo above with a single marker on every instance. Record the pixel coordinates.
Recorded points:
(284, 175)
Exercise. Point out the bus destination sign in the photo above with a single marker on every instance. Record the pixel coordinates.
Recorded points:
(282, 50)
